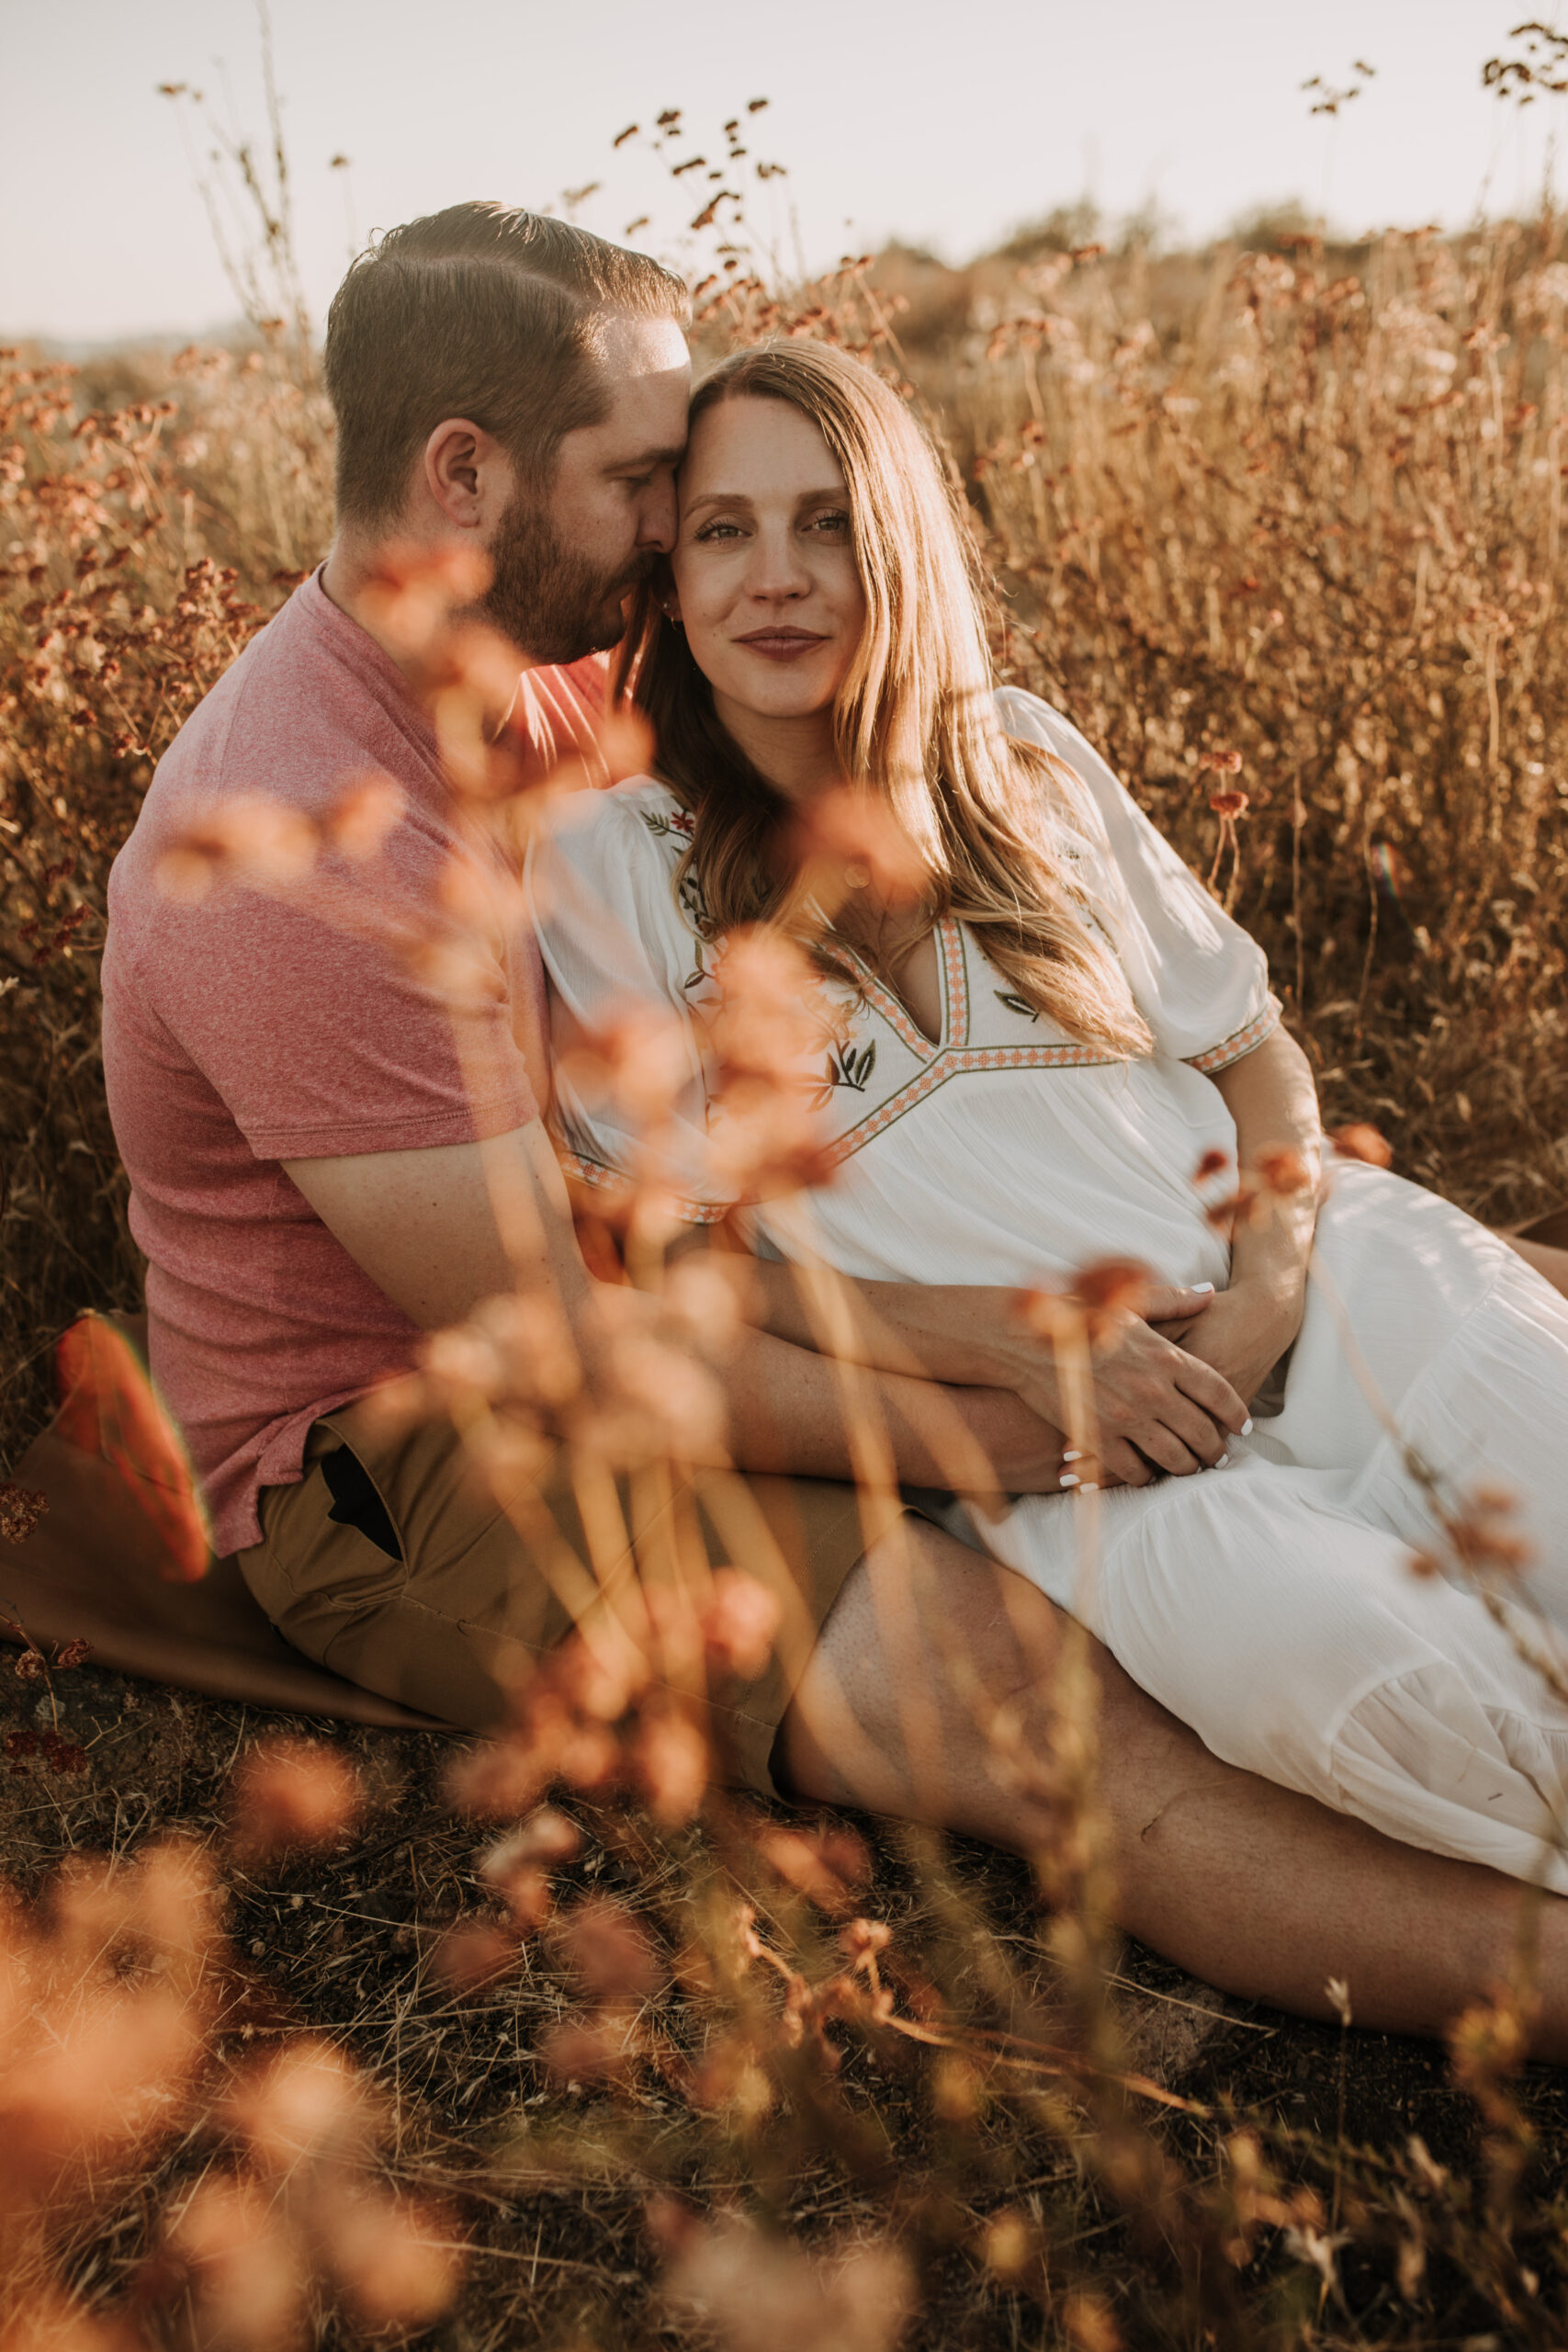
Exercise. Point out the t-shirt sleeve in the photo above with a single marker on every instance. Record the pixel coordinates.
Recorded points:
(334, 1020)
(1200, 981)
(629, 1058)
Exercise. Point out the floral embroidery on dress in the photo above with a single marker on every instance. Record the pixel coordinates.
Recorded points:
(677, 826)
(848, 1065)
(674, 820)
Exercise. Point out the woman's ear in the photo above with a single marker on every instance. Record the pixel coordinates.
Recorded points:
(662, 582)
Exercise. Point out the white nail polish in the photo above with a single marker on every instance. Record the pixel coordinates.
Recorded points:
(1223, 1460)
(1072, 1454)
(1200, 1285)
(1068, 1478)
(1091, 1485)
(1247, 1429)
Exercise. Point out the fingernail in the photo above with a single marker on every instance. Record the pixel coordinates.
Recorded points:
(1223, 1460)
(1091, 1485)
(1247, 1429)
(1200, 1285)
(1072, 1454)
(1069, 1478)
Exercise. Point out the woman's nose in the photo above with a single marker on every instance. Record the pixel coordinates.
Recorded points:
(775, 568)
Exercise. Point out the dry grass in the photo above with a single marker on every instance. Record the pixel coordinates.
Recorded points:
(1280, 525)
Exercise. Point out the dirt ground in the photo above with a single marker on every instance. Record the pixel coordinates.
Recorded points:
(552, 2182)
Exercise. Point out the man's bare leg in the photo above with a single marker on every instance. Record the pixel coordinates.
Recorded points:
(1546, 1259)
(1251, 1887)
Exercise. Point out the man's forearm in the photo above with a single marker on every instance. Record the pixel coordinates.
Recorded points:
(943, 1331)
(792, 1411)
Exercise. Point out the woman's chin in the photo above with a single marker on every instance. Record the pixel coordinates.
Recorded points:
(777, 696)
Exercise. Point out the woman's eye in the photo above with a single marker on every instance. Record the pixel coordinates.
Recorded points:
(832, 526)
(719, 531)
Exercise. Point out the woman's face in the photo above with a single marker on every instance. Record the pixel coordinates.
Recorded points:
(766, 586)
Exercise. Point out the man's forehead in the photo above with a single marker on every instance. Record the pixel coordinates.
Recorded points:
(649, 369)
(634, 349)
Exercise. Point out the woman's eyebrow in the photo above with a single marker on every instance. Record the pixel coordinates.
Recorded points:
(739, 498)
(716, 498)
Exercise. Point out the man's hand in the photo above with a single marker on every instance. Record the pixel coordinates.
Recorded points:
(1246, 1331)
(1156, 1406)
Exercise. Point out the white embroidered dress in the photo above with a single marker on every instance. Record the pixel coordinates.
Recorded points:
(1271, 1604)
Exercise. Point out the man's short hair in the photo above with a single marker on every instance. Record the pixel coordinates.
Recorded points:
(481, 311)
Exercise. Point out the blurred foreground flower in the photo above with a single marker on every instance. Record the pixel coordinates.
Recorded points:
(287, 1792)
(109, 1407)
(262, 2253)
(1098, 1311)
(760, 2293)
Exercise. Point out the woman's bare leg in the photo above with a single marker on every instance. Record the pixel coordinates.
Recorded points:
(1251, 1887)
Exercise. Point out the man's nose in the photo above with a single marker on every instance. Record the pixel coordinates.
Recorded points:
(658, 524)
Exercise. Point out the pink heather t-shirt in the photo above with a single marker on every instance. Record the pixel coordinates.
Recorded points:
(252, 1027)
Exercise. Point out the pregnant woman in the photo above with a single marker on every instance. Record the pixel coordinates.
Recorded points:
(1057, 1050)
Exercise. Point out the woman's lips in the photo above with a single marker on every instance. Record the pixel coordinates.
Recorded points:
(782, 644)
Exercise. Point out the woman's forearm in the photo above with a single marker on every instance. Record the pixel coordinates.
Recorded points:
(1271, 1095)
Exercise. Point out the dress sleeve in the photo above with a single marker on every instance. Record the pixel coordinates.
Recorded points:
(1200, 981)
(620, 956)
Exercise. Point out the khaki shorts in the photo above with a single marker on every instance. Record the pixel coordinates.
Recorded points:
(394, 1564)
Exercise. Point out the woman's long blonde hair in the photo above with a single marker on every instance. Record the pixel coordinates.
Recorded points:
(915, 720)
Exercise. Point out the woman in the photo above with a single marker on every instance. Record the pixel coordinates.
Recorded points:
(1046, 1059)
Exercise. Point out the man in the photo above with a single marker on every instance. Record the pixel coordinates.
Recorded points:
(315, 1178)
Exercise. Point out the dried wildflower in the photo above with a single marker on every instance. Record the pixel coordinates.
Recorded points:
(109, 1407)
(828, 1866)
(761, 2294)
(668, 1763)
(415, 589)
(1482, 1533)
(740, 1622)
(1360, 1141)
(363, 816)
(1283, 1172)
(1010, 2244)
(1097, 1312)
(21, 1508)
(248, 839)
(1088, 2325)
(473, 1954)
(289, 1793)
(608, 1951)
(605, 2047)
(845, 840)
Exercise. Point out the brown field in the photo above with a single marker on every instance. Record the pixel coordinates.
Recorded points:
(1271, 521)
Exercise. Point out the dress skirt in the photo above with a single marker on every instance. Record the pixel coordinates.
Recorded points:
(1301, 1608)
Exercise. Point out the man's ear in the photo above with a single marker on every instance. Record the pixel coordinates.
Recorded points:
(467, 474)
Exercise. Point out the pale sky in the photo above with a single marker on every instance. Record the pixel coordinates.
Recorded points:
(947, 125)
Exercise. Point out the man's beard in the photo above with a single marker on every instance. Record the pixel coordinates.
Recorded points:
(545, 596)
